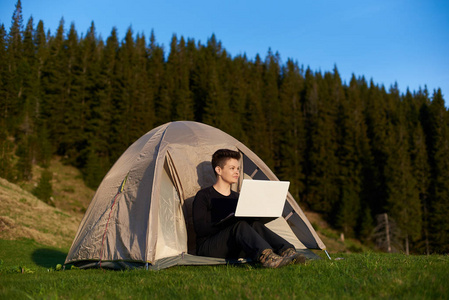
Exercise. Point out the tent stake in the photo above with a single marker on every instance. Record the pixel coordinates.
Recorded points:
(146, 266)
(327, 254)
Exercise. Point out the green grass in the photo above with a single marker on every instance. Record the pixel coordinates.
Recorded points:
(361, 276)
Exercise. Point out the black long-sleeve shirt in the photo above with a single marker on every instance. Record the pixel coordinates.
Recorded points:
(205, 215)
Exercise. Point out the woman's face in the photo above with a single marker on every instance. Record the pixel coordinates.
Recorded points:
(230, 172)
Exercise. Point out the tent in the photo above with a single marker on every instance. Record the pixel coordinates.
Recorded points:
(140, 215)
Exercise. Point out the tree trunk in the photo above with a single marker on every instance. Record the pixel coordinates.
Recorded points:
(387, 231)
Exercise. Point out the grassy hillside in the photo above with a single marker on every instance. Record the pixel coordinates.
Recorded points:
(25, 216)
(22, 215)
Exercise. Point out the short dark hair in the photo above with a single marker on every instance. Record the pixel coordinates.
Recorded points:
(221, 156)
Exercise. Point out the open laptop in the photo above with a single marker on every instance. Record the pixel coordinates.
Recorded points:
(261, 199)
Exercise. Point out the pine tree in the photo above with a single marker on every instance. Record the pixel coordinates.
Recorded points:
(357, 142)
(134, 98)
(198, 84)
(6, 144)
(125, 91)
(94, 169)
(254, 121)
(155, 68)
(216, 111)
(13, 101)
(86, 102)
(4, 78)
(143, 107)
(24, 164)
(56, 84)
(216, 105)
(238, 86)
(438, 141)
(378, 115)
(44, 148)
(93, 131)
(310, 107)
(421, 173)
(178, 100)
(6, 155)
(403, 203)
(44, 189)
(183, 99)
(16, 30)
(108, 138)
(351, 153)
(419, 162)
(366, 224)
(321, 161)
(271, 107)
(292, 137)
(41, 55)
(28, 116)
(102, 133)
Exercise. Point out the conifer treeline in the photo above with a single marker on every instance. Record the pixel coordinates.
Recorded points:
(351, 151)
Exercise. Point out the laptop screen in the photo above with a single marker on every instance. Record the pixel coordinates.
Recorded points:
(262, 198)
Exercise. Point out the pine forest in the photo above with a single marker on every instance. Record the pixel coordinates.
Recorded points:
(352, 151)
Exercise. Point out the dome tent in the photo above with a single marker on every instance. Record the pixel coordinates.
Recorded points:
(140, 214)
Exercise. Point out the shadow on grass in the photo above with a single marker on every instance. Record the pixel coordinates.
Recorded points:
(48, 258)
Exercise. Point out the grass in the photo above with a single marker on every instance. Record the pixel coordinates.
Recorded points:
(29, 271)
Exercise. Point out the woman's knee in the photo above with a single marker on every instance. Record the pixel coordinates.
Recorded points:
(241, 226)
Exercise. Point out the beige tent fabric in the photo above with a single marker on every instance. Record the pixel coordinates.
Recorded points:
(142, 209)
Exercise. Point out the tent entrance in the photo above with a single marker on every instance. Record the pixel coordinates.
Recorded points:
(172, 231)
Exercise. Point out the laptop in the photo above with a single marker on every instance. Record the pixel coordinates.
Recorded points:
(263, 200)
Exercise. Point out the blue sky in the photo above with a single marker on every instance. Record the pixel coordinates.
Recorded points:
(388, 41)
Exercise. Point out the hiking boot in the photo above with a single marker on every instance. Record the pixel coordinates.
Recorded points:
(297, 258)
(269, 259)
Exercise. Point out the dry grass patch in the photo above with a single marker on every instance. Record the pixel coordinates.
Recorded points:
(24, 216)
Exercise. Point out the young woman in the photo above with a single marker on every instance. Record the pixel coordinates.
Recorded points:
(241, 238)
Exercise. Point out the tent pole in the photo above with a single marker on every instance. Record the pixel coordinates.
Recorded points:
(327, 254)
(146, 266)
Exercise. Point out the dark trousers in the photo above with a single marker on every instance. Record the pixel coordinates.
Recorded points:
(243, 239)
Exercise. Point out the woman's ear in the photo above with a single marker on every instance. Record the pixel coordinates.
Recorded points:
(218, 170)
